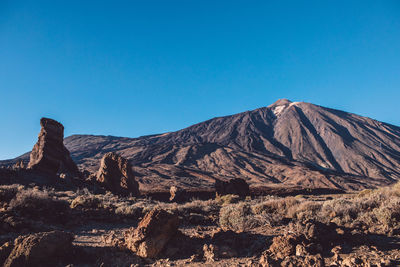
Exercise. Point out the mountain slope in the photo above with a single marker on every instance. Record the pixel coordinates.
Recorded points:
(286, 143)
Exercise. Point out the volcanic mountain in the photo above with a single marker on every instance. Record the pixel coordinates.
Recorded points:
(284, 144)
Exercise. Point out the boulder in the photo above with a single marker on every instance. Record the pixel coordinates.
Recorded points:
(285, 245)
(235, 186)
(40, 249)
(49, 153)
(115, 174)
(152, 233)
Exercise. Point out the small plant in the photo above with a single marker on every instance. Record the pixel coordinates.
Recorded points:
(236, 217)
(227, 199)
(130, 211)
(86, 202)
(306, 210)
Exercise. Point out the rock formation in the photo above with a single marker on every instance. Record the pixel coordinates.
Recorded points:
(19, 165)
(49, 153)
(235, 186)
(115, 174)
(41, 249)
(152, 233)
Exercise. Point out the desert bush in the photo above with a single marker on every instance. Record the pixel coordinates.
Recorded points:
(365, 193)
(236, 217)
(275, 205)
(388, 214)
(36, 203)
(305, 210)
(86, 202)
(227, 199)
(130, 211)
(347, 210)
(8, 192)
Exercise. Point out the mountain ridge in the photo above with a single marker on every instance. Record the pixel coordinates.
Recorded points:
(284, 144)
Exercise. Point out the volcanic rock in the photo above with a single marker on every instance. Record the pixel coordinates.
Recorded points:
(19, 165)
(235, 186)
(115, 174)
(285, 245)
(41, 249)
(210, 252)
(49, 153)
(152, 233)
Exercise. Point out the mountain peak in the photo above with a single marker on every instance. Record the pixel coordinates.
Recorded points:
(281, 102)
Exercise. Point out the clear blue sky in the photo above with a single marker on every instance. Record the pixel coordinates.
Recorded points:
(131, 68)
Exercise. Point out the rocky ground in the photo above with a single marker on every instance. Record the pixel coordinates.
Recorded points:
(78, 228)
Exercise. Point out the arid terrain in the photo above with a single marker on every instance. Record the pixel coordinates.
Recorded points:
(286, 143)
(291, 184)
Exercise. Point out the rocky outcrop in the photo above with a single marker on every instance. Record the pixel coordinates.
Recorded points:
(152, 233)
(235, 186)
(19, 165)
(304, 246)
(41, 249)
(115, 174)
(49, 153)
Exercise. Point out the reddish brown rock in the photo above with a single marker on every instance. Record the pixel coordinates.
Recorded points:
(19, 165)
(41, 249)
(284, 246)
(152, 233)
(235, 186)
(210, 252)
(115, 174)
(49, 153)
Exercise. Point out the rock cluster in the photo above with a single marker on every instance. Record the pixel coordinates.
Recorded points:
(236, 186)
(115, 174)
(152, 233)
(19, 165)
(41, 249)
(49, 153)
(302, 249)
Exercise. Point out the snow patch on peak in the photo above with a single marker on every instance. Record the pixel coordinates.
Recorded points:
(278, 109)
(294, 104)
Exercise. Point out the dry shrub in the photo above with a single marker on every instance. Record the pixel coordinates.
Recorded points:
(129, 211)
(227, 199)
(388, 214)
(306, 210)
(236, 217)
(8, 192)
(365, 193)
(35, 203)
(86, 202)
(275, 205)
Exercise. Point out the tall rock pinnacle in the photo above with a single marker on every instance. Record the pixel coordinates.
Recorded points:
(49, 153)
